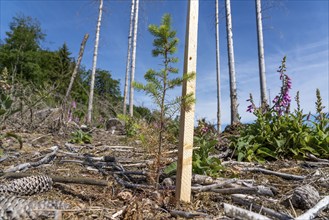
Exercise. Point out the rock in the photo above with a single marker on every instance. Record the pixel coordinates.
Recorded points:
(115, 125)
(305, 197)
(168, 182)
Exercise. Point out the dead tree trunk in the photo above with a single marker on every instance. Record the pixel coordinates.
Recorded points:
(128, 65)
(219, 124)
(133, 61)
(92, 82)
(261, 57)
(76, 68)
(231, 64)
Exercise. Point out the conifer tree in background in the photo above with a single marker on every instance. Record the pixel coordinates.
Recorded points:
(261, 56)
(133, 61)
(160, 82)
(231, 65)
(128, 65)
(92, 82)
(219, 124)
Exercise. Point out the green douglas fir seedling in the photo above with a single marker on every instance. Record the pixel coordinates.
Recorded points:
(160, 82)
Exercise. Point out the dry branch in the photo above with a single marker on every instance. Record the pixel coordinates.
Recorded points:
(259, 190)
(131, 185)
(212, 186)
(67, 190)
(239, 213)
(314, 158)
(188, 215)
(311, 213)
(240, 163)
(239, 199)
(310, 164)
(46, 159)
(270, 172)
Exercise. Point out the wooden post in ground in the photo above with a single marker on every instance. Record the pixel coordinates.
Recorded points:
(184, 163)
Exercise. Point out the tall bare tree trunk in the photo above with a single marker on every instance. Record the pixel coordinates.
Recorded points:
(233, 93)
(261, 57)
(128, 65)
(219, 123)
(133, 61)
(76, 68)
(92, 82)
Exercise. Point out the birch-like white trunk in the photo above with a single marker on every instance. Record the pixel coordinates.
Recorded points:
(261, 57)
(219, 123)
(133, 61)
(92, 82)
(128, 65)
(231, 64)
(76, 68)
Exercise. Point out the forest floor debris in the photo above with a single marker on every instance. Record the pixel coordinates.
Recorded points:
(112, 179)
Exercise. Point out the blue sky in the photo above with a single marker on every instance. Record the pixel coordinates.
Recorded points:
(295, 28)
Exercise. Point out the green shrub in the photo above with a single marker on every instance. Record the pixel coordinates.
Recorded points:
(80, 137)
(278, 133)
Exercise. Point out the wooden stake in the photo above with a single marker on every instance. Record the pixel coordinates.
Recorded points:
(184, 163)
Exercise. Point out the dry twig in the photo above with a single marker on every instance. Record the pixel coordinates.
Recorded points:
(270, 172)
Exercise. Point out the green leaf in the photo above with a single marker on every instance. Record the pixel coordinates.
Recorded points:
(2, 111)
(171, 168)
(310, 149)
(266, 152)
(280, 143)
(241, 156)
